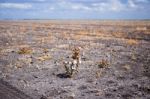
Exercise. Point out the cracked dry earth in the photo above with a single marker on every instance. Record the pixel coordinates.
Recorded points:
(125, 45)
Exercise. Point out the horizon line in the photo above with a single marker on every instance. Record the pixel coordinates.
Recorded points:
(72, 19)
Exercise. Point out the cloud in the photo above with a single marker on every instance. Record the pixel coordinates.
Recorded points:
(118, 6)
(107, 5)
(132, 4)
(101, 6)
(75, 8)
(110, 5)
(142, 1)
(16, 5)
(80, 7)
(72, 6)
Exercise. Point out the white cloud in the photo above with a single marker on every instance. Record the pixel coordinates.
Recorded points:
(80, 7)
(74, 6)
(111, 5)
(116, 5)
(132, 4)
(99, 6)
(142, 1)
(15, 5)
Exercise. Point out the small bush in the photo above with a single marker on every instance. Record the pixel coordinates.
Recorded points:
(45, 50)
(44, 57)
(127, 67)
(76, 53)
(132, 42)
(68, 69)
(25, 50)
(103, 63)
(71, 67)
(98, 74)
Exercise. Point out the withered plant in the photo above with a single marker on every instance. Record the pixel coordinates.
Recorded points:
(71, 67)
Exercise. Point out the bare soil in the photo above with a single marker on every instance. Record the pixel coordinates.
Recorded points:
(32, 55)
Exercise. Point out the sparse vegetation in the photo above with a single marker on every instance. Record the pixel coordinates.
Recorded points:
(68, 68)
(44, 57)
(25, 50)
(98, 74)
(132, 42)
(33, 52)
(72, 66)
(127, 67)
(103, 63)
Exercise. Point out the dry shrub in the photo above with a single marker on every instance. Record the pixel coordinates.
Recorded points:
(44, 57)
(127, 67)
(103, 63)
(81, 35)
(76, 53)
(98, 74)
(23, 62)
(133, 57)
(71, 67)
(25, 50)
(68, 69)
(45, 50)
(118, 34)
(132, 42)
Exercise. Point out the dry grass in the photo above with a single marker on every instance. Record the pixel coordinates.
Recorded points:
(103, 63)
(133, 56)
(25, 50)
(44, 57)
(132, 42)
(45, 50)
(118, 34)
(98, 74)
(76, 53)
(127, 67)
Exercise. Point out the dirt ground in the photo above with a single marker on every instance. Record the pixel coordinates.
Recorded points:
(32, 53)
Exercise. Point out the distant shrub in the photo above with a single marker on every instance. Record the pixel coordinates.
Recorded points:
(44, 57)
(103, 63)
(127, 67)
(76, 53)
(132, 42)
(45, 50)
(25, 50)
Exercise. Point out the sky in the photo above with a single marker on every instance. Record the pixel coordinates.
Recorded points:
(74, 9)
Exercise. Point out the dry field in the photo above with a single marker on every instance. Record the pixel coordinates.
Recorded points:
(115, 58)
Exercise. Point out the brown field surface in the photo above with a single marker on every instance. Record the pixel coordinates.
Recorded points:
(115, 57)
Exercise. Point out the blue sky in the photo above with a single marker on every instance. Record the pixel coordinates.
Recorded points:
(74, 9)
